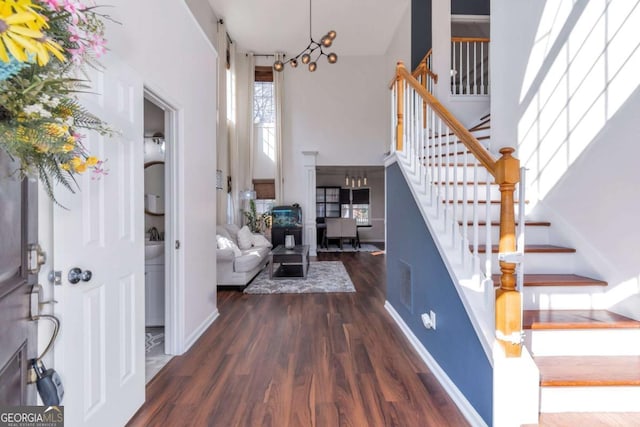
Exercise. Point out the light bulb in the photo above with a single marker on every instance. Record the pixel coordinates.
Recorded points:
(332, 58)
(359, 182)
(312, 66)
(364, 180)
(293, 63)
(326, 41)
(346, 180)
(278, 66)
(353, 182)
(306, 58)
(332, 34)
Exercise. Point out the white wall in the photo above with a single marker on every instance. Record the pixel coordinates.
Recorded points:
(565, 90)
(180, 66)
(399, 48)
(341, 111)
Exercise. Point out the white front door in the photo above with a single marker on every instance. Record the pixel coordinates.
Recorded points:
(100, 355)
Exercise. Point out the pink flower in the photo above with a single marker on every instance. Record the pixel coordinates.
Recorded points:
(75, 10)
(99, 170)
(98, 44)
(52, 4)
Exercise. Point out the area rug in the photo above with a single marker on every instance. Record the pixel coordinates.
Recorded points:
(346, 247)
(322, 277)
(155, 359)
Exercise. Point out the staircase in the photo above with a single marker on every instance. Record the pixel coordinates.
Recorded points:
(589, 360)
(588, 357)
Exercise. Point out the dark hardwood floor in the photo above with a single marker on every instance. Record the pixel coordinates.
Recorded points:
(301, 360)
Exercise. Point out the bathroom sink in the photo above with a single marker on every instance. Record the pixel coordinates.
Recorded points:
(153, 249)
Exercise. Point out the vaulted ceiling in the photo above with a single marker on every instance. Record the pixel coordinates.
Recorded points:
(364, 27)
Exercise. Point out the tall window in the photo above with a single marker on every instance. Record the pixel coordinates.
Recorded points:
(264, 114)
(355, 204)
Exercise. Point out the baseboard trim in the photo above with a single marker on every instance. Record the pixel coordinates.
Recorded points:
(468, 411)
(191, 340)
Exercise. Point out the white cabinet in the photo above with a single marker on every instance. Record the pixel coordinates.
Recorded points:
(154, 294)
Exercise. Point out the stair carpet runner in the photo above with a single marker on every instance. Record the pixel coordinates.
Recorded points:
(589, 360)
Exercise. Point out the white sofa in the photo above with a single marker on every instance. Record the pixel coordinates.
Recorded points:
(237, 269)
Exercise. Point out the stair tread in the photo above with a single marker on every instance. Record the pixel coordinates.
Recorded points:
(481, 202)
(480, 127)
(576, 319)
(533, 249)
(576, 371)
(464, 183)
(470, 165)
(496, 223)
(556, 280)
(561, 280)
(591, 419)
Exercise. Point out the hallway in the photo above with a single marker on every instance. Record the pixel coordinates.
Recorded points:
(301, 360)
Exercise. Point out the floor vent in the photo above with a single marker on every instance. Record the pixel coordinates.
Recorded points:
(406, 285)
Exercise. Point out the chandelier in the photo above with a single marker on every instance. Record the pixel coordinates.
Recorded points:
(313, 48)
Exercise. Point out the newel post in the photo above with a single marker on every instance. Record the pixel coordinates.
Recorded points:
(508, 299)
(400, 109)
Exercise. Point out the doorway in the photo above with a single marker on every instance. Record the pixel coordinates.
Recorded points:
(159, 228)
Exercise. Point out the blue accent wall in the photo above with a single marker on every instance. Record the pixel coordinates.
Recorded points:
(420, 30)
(454, 344)
(470, 7)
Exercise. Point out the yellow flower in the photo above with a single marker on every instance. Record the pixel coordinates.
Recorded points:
(56, 130)
(65, 166)
(75, 162)
(41, 148)
(67, 147)
(81, 168)
(92, 161)
(19, 31)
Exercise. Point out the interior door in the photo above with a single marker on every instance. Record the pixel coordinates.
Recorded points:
(101, 351)
(18, 227)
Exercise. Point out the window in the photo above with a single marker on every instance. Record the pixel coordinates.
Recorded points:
(265, 194)
(264, 114)
(354, 203)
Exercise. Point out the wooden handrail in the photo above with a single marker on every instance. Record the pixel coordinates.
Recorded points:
(485, 158)
(506, 171)
(471, 39)
(422, 69)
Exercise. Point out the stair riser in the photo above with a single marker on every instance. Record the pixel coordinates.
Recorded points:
(533, 235)
(453, 148)
(494, 212)
(589, 399)
(564, 298)
(588, 342)
(440, 173)
(458, 194)
(542, 263)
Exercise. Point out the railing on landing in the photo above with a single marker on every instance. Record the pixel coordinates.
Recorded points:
(424, 75)
(437, 149)
(469, 66)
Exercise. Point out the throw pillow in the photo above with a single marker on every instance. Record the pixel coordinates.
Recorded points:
(260, 240)
(244, 238)
(226, 243)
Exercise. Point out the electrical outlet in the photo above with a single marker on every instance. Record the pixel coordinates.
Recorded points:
(429, 320)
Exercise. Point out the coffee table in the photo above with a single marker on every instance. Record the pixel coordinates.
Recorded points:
(292, 263)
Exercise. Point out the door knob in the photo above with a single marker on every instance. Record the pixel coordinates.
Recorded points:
(76, 274)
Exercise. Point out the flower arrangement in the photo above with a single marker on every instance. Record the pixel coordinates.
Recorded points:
(43, 45)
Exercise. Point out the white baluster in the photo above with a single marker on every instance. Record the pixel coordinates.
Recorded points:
(489, 251)
(468, 71)
(476, 215)
(482, 90)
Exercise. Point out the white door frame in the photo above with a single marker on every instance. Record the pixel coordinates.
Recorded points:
(174, 262)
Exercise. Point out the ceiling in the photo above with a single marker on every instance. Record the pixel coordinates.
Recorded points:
(364, 27)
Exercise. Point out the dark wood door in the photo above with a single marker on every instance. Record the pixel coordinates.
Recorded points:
(18, 228)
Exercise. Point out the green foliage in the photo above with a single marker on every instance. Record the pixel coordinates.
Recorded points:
(253, 220)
